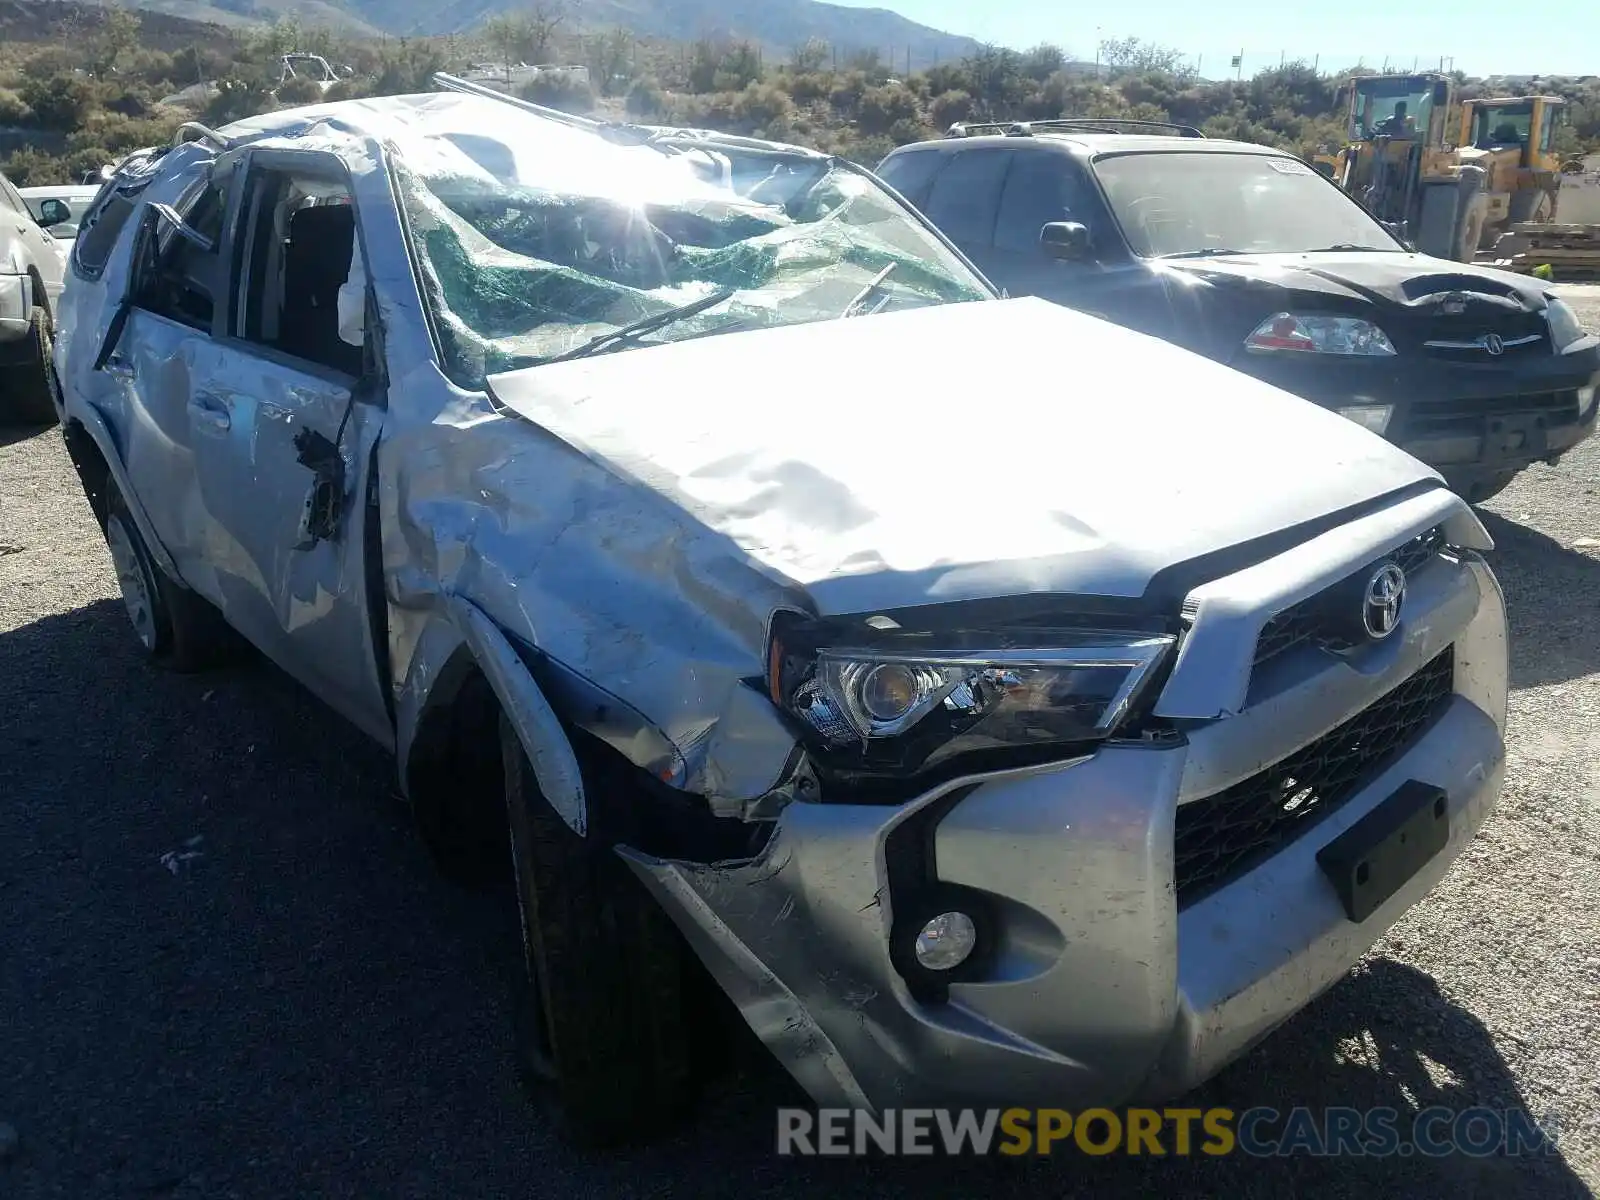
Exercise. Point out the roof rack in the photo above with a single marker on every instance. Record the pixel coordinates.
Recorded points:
(1073, 124)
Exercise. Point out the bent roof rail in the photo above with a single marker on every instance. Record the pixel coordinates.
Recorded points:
(454, 83)
(1071, 124)
(194, 131)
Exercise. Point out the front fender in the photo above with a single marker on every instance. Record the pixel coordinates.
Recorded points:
(462, 636)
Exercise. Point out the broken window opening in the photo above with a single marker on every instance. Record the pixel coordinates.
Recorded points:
(302, 256)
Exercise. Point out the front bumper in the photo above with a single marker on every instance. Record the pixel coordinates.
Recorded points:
(1102, 989)
(1471, 421)
(16, 308)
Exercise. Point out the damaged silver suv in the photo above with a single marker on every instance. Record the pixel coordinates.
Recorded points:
(1001, 706)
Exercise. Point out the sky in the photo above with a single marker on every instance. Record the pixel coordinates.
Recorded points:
(1484, 37)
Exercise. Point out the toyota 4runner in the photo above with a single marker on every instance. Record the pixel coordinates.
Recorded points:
(654, 497)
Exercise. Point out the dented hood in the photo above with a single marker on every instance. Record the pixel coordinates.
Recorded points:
(1390, 281)
(960, 451)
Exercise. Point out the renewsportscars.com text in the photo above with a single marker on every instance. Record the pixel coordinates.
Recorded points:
(1160, 1132)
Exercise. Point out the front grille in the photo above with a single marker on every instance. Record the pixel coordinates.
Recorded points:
(1461, 349)
(1222, 836)
(1319, 618)
(1435, 418)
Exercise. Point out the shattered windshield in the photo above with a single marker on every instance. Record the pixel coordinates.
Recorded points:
(1188, 204)
(535, 249)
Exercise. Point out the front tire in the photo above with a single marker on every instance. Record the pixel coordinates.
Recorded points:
(177, 629)
(27, 391)
(1489, 488)
(601, 1018)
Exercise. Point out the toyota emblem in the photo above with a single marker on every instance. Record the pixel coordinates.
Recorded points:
(1380, 608)
(1493, 344)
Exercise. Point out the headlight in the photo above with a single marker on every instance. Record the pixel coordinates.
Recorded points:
(1369, 416)
(1565, 328)
(905, 705)
(1304, 334)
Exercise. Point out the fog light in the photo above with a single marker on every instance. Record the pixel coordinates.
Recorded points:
(1586, 396)
(946, 941)
(1369, 416)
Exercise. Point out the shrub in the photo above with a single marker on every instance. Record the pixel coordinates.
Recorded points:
(60, 102)
(296, 91)
(847, 91)
(810, 85)
(949, 107)
(761, 105)
(645, 99)
(29, 167)
(238, 98)
(882, 107)
(559, 89)
(14, 109)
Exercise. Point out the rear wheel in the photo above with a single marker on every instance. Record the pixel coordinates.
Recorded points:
(600, 1017)
(176, 628)
(27, 391)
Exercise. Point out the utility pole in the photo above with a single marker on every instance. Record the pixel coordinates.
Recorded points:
(1238, 65)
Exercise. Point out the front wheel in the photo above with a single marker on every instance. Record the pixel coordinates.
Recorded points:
(1489, 487)
(601, 1018)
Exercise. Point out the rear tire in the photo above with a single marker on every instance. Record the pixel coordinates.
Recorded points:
(600, 1018)
(177, 629)
(27, 391)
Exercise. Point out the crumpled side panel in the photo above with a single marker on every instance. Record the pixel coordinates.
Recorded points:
(604, 577)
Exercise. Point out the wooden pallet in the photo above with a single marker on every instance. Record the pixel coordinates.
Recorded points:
(1557, 232)
(1584, 267)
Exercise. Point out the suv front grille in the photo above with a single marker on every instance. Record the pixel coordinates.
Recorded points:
(1222, 836)
(1313, 619)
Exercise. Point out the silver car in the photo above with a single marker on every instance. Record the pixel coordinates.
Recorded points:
(1001, 706)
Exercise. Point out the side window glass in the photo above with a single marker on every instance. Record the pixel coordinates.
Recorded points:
(303, 279)
(102, 225)
(1042, 186)
(184, 280)
(911, 174)
(965, 197)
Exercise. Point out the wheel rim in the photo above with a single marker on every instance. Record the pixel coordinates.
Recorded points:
(137, 592)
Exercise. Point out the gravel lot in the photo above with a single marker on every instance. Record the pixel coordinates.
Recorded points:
(292, 1004)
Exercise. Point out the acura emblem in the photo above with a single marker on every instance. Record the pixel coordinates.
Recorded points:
(1493, 344)
(1380, 609)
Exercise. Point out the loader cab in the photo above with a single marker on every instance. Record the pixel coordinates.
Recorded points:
(1406, 108)
(1524, 124)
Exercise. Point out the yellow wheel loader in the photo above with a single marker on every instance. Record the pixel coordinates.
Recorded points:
(1511, 138)
(1452, 177)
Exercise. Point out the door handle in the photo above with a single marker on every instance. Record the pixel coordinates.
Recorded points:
(118, 367)
(210, 411)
